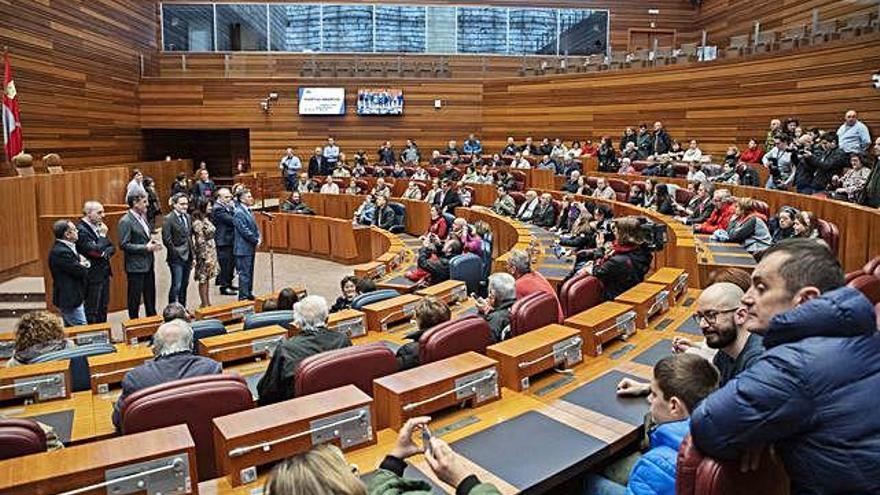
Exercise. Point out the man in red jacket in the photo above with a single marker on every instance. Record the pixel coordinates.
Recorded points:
(519, 264)
(720, 217)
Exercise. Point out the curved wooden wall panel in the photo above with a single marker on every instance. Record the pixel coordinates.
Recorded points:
(64, 194)
(18, 218)
(718, 103)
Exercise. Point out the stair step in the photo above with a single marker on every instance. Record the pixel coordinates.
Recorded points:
(16, 309)
(20, 297)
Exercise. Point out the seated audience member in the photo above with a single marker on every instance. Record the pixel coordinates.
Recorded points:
(349, 287)
(588, 150)
(661, 166)
(464, 194)
(484, 176)
(510, 148)
(303, 184)
(575, 150)
(871, 194)
(695, 173)
(752, 154)
(779, 163)
(352, 187)
(398, 172)
(470, 175)
(629, 152)
(636, 195)
(448, 198)
(294, 204)
(329, 187)
(700, 208)
(436, 158)
(421, 174)
(584, 188)
(310, 316)
(782, 226)
(384, 217)
(495, 309)
(748, 227)
(359, 170)
(545, 148)
(558, 151)
(520, 162)
(175, 311)
(626, 167)
(470, 243)
(680, 383)
(545, 214)
(676, 152)
(644, 142)
(340, 172)
(663, 201)
(452, 149)
(366, 211)
(606, 156)
(434, 258)
(519, 264)
(323, 470)
(504, 203)
(503, 178)
(811, 393)
(497, 161)
(547, 163)
(450, 173)
(529, 148)
(566, 215)
(805, 225)
(381, 188)
(603, 190)
(571, 184)
(624, 265)
(37, 333)
(429, 312)
(270, 305)
(581, 235)
(732, 155)
(434, 192)
(366, 285)
(728, 174)
(527, 209)
(174, 360)
(438, 227)
(720, 217)
(851, 186)
(693, 153)
(286, 299)
(412, 192)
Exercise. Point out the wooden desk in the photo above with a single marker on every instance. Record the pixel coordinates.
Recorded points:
(648, 300)
(603, 323)
(348, 321)
(227, 313)
(81, 466)
(257, 342)
(382, 314)
(675, 280)
(539, 350)
(110, 369)
(264, 435)
(434, 386)
(40, 382)
(138, 329)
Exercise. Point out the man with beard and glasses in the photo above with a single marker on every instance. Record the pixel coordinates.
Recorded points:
(719, 316)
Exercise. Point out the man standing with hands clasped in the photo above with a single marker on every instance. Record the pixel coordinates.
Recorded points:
(139, 249)
(177, 238)
(94, 244)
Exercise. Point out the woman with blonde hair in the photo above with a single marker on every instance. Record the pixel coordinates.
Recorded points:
(324, 470)
(37, 333)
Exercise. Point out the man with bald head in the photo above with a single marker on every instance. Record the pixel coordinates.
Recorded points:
(853, 136)
(94, 244)
(720, 317)
(174, 360)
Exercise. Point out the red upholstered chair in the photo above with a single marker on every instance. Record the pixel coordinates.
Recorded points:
(194, 401)
(332, 369)
(363, 185)
(20, 437)
(639, 183)
(621, 188)
(580, 293)
(869, 285)
(683, 196)
(454, 337)
(518, 198)
(592, 181)
(519, 179)
(697, 474)
(532, 312)
(680, 169)
(433, 172)
(830, 234)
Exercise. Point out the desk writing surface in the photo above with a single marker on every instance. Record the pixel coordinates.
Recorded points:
(83, 427)
(640, 293)
(665, 276)
(598, 314)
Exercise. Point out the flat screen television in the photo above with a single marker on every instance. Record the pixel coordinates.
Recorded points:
(380, 101)
(321, 101)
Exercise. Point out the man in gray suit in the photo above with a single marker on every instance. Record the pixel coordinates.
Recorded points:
(177, 238)
(139, 249)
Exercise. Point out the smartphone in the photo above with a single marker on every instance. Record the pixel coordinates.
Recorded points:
(426, 438)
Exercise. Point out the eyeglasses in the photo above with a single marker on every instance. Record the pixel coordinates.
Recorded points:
(711, 316)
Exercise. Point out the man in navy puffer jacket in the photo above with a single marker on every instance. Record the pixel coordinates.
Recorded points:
(814, 393)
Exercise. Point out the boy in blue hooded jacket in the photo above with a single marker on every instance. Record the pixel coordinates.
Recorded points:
(680, 382)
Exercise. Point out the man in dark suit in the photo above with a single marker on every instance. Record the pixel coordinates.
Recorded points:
(69, 273)
(139, 249)
(97, 248)
(247, 238)
(224, 237)
(177, 238)
(316, 163)
(174, 360)
(384, 217)
(448, 199)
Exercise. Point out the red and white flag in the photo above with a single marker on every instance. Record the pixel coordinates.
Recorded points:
(12, 142)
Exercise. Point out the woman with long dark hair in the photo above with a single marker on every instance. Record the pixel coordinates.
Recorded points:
(206, 267)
